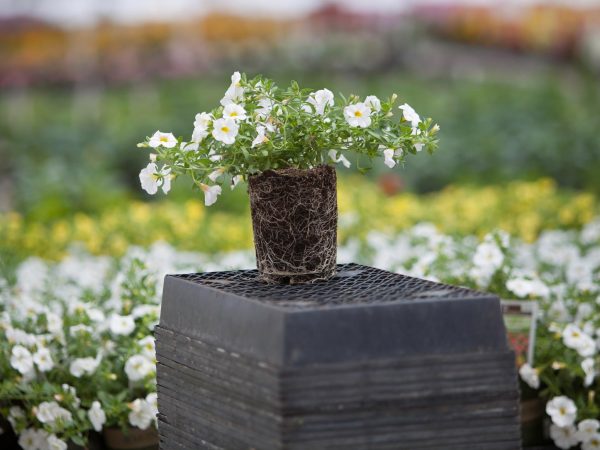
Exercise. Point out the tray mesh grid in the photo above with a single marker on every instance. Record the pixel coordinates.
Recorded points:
(352, 284)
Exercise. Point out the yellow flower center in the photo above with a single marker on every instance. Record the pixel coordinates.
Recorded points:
(562, 411)
(233, 114)
(357, 114)
(164, 139)
(225, 129)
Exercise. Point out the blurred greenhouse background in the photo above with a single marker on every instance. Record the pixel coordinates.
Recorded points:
(514, 88)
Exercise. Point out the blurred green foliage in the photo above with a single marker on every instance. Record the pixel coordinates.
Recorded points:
(74, 150)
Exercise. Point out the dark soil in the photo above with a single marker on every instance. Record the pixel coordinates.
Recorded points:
(294, 217)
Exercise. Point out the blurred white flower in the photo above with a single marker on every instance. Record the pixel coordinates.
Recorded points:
(319, 100)
(577, 339)
(201, 123)
(84, 366)
(266, 106)
(235, 180)
(121, 325)
(152, 400)
(588, 366)
(373, 102)
(358, 115)
(160, 139)
(261, 137)
(225, 130)
(139, 367)
(97, 416)
(410, 115)
(210, 193)
(151, 178)
(32, 439)
(50, 412)
(234, 111)
(530, 376)
(55, 443)
(147, 345)
(562, 411)
(21, 359)
(333, 155)
(43, 359)
(235, 92)
(564, 437)
(488, 256)
(586, 429)
(141, 414)
(215, 174)
(388, 155)
(592, 443)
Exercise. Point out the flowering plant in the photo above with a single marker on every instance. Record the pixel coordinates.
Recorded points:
(259, 127)
(76, 349)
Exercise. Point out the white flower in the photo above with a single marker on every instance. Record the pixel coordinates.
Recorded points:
(592, 443)
(84, 366)
(235, 92)
(225, 130)
(358, 115)
(32, 439)
(148, 347)
(530, 376)
(210, 193)
(319, 100)
(522, 287)
(586, 429)
(97, 416)
(55, 443)
(166, 140)
(388, 158)
(215, 174)
(488, 256)
(141, 414)
(260, 137)
(43, 359)
(234, 111)
(373, 102)
(266, 105)
(151, 178)
(50, 412)
(419, 146)
(590, 372)
(235, 180)
(54, 323)
(139, 367)
(145, 310)
(21, 359)
(201, 124)
(121, 325)
(562, 411)
(333, 155)
(564, 437)
(410, 115)
(575, 338)
(153, 403)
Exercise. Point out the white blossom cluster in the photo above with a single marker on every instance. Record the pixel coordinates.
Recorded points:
(258, 127)
(91, 318)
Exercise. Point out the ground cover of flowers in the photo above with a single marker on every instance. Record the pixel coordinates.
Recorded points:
(77, 352)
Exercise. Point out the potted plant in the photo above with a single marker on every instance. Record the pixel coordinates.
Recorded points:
(285, 143)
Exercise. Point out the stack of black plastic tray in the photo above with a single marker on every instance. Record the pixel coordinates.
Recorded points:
(367, 360)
